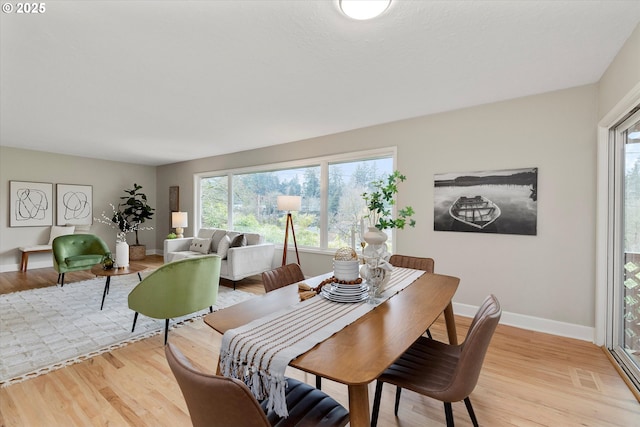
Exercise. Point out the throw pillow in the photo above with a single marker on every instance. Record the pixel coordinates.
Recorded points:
(200, 245)
(223, 247)
(60, 230)
(239, 240)
(215, 239)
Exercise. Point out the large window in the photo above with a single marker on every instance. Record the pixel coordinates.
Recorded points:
(331, 189)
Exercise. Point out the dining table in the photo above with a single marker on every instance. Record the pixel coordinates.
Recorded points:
(358, 353)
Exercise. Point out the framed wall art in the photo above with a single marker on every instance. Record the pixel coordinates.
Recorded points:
(74, 204)
(30, 204)
(174, 199)
(493, 201)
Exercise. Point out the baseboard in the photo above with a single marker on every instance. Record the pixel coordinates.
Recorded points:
(538, 324)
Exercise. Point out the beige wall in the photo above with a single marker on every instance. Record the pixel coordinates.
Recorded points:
(108, 179)
(547, 276)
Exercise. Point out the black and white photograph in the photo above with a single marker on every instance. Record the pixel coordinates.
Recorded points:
(498, 201)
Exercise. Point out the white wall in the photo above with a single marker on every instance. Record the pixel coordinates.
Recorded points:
(108, 179)
(548, 276)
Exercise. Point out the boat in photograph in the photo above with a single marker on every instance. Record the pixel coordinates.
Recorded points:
(476, 211)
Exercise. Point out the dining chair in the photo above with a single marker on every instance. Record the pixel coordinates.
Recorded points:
(281, 276)
(214, 400)
(445, 372)
(417, 263)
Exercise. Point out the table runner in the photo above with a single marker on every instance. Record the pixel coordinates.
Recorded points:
(259, 352)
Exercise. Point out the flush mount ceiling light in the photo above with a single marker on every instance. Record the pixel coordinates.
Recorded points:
(363, 9)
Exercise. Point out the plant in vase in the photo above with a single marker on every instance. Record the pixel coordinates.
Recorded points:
(132, 212)
(379, 204)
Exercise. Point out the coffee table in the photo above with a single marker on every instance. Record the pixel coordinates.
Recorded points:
(121, 271)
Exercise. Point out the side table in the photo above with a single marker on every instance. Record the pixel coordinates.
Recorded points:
(122, 271)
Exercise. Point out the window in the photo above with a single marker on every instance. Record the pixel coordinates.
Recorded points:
(331, 190)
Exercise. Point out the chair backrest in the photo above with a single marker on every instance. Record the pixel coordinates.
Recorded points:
(281, 276)
(214, 400)
(417, 263)
(178, 288)
(70, 245)
(474, 348)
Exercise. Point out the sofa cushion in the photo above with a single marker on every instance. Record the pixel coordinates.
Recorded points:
(223, 247)
(254, 239)
(215, 239)
(206, 233)
(238, 241)
(83, 260)
(200, 245)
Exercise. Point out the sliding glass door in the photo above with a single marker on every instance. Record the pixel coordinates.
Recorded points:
(624, 337)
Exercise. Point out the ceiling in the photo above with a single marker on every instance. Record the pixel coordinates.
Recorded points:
(156, 82)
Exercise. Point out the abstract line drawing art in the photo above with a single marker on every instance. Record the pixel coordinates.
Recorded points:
(74, 204)
(30, 204)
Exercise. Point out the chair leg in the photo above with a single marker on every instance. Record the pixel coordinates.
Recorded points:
(398, 392)
(376, 404)
(166, 330)
(210, 309)
(472, 414)
(318, 382)
(448, 412)
(135, 318)
(429, 334)
(61, 279)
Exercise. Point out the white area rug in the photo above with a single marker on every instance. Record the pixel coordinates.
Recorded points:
(45, 329)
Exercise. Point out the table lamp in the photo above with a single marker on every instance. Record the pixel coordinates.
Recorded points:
(179, 221)
(289, 203)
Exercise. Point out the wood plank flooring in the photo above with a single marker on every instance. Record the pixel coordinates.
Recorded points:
(528, 379)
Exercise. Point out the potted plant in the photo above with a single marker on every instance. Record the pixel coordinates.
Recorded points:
(380, 202)
(132, 212)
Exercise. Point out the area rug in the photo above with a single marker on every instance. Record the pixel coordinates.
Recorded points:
(46, 329)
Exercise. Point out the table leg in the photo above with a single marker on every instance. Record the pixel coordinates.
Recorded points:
(106, 289)
(451, 324)
(359, 406)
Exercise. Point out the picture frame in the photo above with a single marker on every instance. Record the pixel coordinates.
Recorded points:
(490, 201)
(30, 204)
(74, 204)
(174, 198)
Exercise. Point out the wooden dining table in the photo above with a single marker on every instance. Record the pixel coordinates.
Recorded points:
(357, 354)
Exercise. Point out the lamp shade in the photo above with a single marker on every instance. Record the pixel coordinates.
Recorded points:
(289, 203)
(179, 219)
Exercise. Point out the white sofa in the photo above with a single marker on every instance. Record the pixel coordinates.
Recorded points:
(238, 262)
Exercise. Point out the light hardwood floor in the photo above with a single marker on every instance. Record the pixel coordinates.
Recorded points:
(528, 379)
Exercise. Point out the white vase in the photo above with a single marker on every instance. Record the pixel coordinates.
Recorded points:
(122, 254)
(373, 236)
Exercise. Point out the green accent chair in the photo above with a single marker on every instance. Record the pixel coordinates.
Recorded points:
(75, 252)
(176, 289)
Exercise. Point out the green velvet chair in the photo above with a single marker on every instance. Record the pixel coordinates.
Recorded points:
(75, 252)
(177, 289)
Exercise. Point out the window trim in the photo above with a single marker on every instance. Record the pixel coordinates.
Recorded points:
(321, 161)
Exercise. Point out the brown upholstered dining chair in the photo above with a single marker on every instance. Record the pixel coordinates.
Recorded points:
(281, 276)
(417, 263)
(213, 400)
(445, 372)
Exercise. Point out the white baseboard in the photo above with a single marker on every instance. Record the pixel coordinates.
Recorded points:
(538, 324)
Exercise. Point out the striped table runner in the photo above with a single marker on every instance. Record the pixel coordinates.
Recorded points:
(258, 353)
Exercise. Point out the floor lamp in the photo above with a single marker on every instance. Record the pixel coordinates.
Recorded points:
(289, 203)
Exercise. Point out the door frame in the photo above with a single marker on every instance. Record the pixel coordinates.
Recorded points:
(603, 210)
